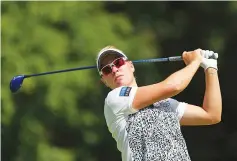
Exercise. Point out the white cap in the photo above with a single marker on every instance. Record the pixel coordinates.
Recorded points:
(107, 51)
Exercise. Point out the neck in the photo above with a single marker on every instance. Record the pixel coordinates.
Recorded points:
(133, 83)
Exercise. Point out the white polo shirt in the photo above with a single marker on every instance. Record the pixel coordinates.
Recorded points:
(132, 129)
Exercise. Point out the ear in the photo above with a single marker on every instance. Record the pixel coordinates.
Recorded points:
(132, 66)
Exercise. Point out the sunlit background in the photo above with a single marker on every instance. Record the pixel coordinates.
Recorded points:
(60, 117)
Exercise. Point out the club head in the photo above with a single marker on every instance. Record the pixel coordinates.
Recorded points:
(16, 83)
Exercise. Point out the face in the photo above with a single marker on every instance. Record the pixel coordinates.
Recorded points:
(119, 75)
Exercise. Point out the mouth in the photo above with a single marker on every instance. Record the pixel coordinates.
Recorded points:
(117, 77)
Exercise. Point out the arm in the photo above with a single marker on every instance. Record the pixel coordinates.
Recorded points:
(210, 113)
(212, 100)
(212, 103)
(171, 86)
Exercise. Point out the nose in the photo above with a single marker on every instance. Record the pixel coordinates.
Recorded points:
(114, 69)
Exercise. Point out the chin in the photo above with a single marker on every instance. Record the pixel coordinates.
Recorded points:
(119, 84)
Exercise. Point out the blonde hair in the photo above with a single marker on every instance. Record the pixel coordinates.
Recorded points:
(108, 47)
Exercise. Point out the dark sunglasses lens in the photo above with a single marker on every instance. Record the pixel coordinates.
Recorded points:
(119, 62)
(106, 70)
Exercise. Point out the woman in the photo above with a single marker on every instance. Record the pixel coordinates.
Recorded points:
(145, 121)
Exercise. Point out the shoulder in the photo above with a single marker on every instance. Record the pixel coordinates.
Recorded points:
(121, 98)
(120, 93)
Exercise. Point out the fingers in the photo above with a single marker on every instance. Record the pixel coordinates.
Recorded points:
(209, 54)
(198, 51)
(209, 59)
(191, 56)
(216, 55)
(186, 57)
(198, 55)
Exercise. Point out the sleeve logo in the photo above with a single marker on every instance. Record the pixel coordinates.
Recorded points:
(125, 91)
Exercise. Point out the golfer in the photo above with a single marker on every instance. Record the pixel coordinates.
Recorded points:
(144, 120)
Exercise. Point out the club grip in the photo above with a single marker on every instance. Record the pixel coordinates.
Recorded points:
(175, 58)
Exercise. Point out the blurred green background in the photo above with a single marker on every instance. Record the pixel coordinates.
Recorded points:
(60, 117)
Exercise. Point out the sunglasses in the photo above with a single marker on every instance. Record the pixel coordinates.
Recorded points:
(107, 69)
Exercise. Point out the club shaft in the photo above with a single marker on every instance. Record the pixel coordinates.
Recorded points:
(175, 58)
(59, 71)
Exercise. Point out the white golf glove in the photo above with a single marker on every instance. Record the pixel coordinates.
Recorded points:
(209, 59)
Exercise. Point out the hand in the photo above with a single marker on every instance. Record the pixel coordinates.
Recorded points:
(209, 54)
(192, 56)
(209, 59)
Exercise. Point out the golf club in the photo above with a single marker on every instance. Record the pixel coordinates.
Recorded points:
(17, 81)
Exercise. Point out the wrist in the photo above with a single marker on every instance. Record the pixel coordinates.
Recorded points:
(195, 63)
(211, 70)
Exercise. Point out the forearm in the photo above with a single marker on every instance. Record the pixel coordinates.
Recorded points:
(182, 78)
(170, 87)
(212, 102)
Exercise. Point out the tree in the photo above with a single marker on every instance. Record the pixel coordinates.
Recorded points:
(60, 117)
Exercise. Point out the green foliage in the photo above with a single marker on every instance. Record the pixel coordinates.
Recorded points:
(60, 117)
(46, 36)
